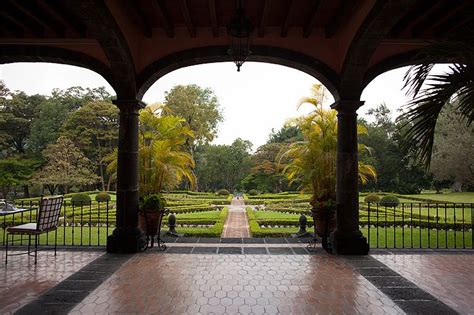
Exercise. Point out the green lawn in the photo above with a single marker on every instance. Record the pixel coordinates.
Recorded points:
(95, 236)
(395, 238)
(466, 197)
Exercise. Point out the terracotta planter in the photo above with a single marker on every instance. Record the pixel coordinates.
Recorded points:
(149, 221)
(324, 220)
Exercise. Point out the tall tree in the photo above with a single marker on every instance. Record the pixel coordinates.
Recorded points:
(16, 117)
(15, 171)
(288, 133)
(94, 127)
(397, 170)
(200, 109)
(46, 126)
(75, 97)
(53, 112)
(453, 150)
(222, 166)
(65, 166)
(265, 174)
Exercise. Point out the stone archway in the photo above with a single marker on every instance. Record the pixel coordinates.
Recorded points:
(292, 59)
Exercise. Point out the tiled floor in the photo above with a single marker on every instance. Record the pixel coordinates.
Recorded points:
(195, 284)
(21, 281)
(236, 224)
(450, 278)
(162, 283)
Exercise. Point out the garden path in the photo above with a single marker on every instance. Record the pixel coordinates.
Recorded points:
(236, 224)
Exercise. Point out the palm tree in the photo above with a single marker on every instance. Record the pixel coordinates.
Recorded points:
(163, 160)
(431, 92)
(313, 161)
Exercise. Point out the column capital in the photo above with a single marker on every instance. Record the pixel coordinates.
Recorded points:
(347, 106)
(129, 105)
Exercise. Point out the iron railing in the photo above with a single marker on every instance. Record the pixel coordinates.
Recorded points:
(80, 224)
(408, 225)
(418, 225)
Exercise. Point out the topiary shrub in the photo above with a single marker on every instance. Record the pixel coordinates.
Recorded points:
(222, 192)
(102, 197)
(253, 192)
(372, 198)
(389, 201)
(80, 199)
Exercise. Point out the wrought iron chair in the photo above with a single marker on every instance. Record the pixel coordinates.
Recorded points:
(47, 219)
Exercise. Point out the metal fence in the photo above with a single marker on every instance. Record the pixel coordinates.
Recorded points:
(83, 224)
(418, 225)
(407, 225)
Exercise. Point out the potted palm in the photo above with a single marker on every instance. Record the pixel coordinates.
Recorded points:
(163, 163)
(151, 215)
(312, 162)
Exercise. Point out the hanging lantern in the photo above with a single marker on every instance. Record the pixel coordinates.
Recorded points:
(240, 29)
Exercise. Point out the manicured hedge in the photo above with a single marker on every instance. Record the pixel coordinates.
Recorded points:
(389, 201)
(215, 231)
(102, 196)
(80, 199)
(257, 231)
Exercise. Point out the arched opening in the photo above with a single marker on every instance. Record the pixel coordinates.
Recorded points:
(264, 95)
(309, 65)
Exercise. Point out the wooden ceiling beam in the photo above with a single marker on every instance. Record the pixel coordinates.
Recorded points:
(138, 17)
(339, 19)
(436, 12)
(308, 28)
(187, 18)
(213, 16)
(11, 28)
(411, 18)
(33, 14)
(456, 8)
(451, 25)
(286, 22)
(12, 19)
(163, 15)
(62, 17)
(263, 18)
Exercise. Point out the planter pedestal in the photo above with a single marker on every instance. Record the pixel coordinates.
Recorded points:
(150, 223)
(349, 243)
(126, 240)
(324, 223)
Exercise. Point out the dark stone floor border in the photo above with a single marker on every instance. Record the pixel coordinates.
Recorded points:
(235, 240)
(404, 293)
(260, 250)
(71, 291)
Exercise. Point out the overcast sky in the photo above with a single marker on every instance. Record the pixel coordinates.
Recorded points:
(258, 98)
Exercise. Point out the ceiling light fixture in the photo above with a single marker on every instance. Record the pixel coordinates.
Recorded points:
(240, 29)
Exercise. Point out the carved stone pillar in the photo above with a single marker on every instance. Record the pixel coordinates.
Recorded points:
(347, 239)
(127, 237)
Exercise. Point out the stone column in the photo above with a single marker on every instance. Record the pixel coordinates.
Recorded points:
(127, 237)
(347, 239)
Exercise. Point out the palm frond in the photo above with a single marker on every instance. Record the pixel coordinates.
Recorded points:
(423, 110)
